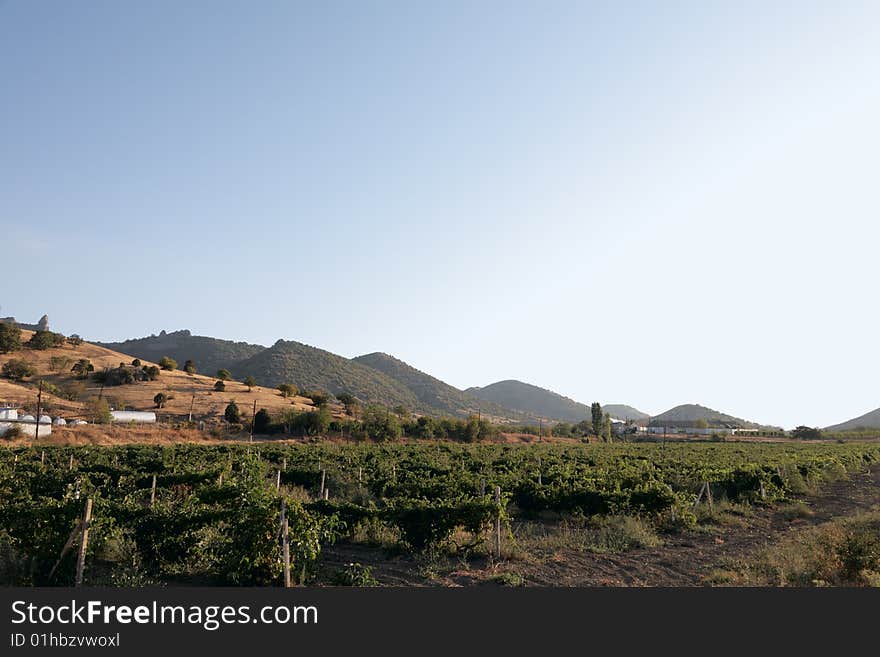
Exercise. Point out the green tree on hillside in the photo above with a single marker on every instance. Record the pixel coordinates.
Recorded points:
(224, 375)
(596, 417)
(136, 362)
(250, 382)
(219, 386)
(168, 363)
(74, 340)
(160, 400)
(380, 424)
(10, 338)
(232, 414)
(42, 340)
(189, 367)
(318, 397)
(262, 421)
(98, 411)
(82, 368)
(350, 402)
(287, 390)
(806, 433)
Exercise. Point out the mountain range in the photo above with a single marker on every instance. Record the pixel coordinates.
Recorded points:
(382, 378)
(689, 413)
(869, 420)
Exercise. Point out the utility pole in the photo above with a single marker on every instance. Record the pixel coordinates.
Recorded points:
(39, 411)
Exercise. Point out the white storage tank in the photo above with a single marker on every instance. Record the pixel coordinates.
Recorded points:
(148, 417)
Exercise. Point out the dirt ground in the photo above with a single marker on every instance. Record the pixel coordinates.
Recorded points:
(683, 560)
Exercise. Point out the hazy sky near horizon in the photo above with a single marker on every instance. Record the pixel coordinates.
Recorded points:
(649, 203)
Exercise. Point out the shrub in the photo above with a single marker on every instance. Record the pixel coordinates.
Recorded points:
(160, 400)
(151, 372)
(168, 363)
(10, 338)
(73, 391)
(189, 367)
(117, 376)
(13, 432)
(250, 382)
(136, 362)
(18, 370)
(74, 340)
(859, 551)
(224, 374)
(59, 363)
(219, 386)
(355, 574)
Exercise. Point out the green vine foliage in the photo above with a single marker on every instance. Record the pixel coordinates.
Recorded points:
(216, 515)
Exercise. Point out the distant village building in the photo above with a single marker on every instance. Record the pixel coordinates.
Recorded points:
(691, 428)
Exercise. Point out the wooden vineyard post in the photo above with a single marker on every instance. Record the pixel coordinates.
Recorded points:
(540, 468)
(83, 542)
(43, 459)
(220, 484)
(360, 474)
(285, 544)
(70, 465)
(763, 491)
(326, 493)
(153, 493)
(482, 488)
(321, 490)
(253, 420)
(709, 494)
(700, 496)
(284, 464)
(278, 481)
(498, 522)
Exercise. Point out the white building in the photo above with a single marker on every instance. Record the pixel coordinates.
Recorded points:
(27, 424)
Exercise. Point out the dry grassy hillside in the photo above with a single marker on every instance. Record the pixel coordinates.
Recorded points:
(183, 390)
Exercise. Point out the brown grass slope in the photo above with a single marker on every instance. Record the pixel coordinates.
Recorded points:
(183, 389)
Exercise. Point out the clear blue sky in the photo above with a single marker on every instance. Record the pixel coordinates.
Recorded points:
(642, 202)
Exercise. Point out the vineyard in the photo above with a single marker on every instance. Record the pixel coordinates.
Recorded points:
(189, 514)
